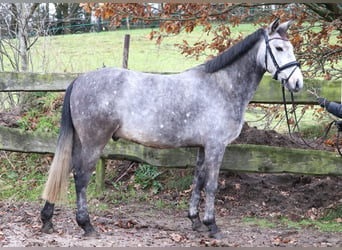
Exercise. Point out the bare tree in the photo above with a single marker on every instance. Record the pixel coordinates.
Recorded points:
(18, 34)
(16, 40)
(23, 12)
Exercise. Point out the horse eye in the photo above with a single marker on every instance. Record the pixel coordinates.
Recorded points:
(279, 48)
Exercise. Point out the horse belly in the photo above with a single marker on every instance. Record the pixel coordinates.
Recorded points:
(157, 137)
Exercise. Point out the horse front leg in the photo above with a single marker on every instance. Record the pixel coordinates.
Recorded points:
(213, 160)
(198, 184)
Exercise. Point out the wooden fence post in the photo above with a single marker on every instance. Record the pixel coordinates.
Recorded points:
(100, 175)
(126, 51)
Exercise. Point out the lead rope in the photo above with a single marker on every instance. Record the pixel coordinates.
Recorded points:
(339, 129)
(338, 125)
(295, 119)
(285, 109)
(296, 122)
(294, 112)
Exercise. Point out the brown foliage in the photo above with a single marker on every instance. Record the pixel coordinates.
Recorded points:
(316, 33)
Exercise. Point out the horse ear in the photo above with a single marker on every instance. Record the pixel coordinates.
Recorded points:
(273, 26)
(284, 26)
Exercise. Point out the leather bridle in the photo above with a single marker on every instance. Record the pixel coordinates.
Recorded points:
(294, 64)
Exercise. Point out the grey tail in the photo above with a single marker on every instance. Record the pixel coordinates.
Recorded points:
(56, 185)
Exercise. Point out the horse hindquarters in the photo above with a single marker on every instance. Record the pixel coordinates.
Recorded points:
(77, 149)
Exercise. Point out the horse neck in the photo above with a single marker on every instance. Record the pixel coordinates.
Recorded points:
(246, 74)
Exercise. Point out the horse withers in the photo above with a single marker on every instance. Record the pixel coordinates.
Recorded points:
(201, 107)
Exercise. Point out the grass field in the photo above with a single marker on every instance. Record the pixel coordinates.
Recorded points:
(89, 51)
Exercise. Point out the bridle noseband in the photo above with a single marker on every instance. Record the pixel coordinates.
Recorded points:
(294, 64)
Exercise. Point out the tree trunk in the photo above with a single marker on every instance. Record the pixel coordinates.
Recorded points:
(23, 12)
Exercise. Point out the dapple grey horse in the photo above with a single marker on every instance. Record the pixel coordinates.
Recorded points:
(201, 107)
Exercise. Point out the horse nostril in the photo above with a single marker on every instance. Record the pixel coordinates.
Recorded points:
(297, 86)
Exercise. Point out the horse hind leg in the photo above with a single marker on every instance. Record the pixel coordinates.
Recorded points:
(84, 161)
(46, 217)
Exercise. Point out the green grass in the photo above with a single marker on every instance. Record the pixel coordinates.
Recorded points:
(89, 51)
(21, 176)
(259, 222)
(320, 225)
(333, 212)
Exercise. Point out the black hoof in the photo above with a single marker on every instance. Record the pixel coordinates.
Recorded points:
(217, 235)
(197, 225)
(200, 228)
(214, 231)
(47, 228)
(92, 234)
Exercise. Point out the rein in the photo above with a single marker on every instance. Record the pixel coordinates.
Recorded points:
(295, 118)
(338, 124)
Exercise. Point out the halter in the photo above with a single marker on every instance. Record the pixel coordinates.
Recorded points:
(294, 64)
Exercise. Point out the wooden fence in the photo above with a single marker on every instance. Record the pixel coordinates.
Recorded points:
(239, 158)
(269, 90)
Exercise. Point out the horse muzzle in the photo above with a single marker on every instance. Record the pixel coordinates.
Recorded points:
(294, 81)
(292, 85)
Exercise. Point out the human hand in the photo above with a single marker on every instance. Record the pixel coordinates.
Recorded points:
(323, 102)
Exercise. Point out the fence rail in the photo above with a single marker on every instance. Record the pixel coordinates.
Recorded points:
(269, 91)
(240, 158)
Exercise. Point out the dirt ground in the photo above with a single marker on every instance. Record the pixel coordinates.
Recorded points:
(141, 224)
(253, 135)
(240, 196)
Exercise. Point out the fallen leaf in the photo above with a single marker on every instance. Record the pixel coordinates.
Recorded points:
(338, 220)
(178, 237)
(125, 224)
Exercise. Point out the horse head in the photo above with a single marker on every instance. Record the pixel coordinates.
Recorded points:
(278, 57)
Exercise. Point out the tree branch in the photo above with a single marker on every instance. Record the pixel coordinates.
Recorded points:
(322, 10)
(33, 8)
